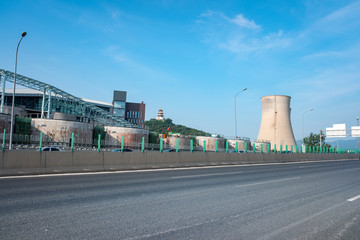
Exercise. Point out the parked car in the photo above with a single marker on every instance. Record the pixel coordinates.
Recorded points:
(124, 150)
(171, 150)
(49, 149)
(239, 151)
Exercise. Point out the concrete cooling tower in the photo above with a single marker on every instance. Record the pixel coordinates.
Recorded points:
(275, 121)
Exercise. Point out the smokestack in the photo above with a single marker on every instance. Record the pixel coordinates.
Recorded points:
(275, 121)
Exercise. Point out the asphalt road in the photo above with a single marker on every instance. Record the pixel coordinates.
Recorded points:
(319, 200)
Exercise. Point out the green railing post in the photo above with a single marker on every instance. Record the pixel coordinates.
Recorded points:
(236, 147)
(40, 141)
(227, 146)
(99, 142)
(143, 144)
(261, 148)
(122, 143)
(274, 148)
(317, 149)
(204, 146)
(216, 146)
(72, 142)
(245, 147)
(254, 148)
(268, 148)
(177, 145)
(3, 145)
(161, 145)
(286, 148)
(281, 148)
(191, 145)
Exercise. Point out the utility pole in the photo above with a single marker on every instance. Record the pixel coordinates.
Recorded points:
(235, 110)
(13, 96)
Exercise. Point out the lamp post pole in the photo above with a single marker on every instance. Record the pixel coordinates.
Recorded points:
(358, 140)
(235, 110)
(303, 124)
(13, 96)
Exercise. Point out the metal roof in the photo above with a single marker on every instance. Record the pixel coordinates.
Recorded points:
(78, 105)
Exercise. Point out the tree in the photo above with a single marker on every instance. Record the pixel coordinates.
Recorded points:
(163, 126)
(313, 140)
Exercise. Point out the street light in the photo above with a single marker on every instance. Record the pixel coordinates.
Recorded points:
(303, 124)
(235, 110)
(13, 97)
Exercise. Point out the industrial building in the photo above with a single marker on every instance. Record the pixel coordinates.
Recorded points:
(275, 121)
(57, 114)
(28, 103)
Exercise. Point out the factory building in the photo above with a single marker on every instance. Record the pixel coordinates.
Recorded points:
(28, 103)
(131, 112)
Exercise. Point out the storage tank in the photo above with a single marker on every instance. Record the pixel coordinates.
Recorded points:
(210, 143)
(241, 144)
(170, 142)
(132, 136)
(275, 121)
(265, 146)
(59, 131)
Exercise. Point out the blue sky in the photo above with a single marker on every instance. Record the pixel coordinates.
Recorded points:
(190, 58)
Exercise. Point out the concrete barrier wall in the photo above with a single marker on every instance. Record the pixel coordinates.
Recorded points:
(27, 162)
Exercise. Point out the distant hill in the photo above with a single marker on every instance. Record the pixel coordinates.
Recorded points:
(346, 143)
(162, 127)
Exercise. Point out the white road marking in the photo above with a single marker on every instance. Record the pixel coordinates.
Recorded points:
(168, 169)
(353, 198)
(301, 221)
(206, 175)
(259, 183)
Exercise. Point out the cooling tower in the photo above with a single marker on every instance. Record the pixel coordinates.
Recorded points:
(275, 121)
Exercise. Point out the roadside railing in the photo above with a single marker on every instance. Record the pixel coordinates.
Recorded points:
(38, 141)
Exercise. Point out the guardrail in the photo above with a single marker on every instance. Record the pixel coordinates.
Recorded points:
(32, 162)
(35, 142)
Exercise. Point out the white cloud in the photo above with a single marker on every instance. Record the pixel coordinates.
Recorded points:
(238, 34)
(253, 44)
(241, 21)
(323, 54)
(345, 19)
(326, 84)
(130, 64)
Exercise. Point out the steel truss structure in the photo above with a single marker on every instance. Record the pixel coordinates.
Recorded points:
(65, 100)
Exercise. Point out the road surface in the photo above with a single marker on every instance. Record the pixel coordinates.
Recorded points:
(316, 200)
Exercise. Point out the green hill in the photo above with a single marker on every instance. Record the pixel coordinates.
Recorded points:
(162, 127)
